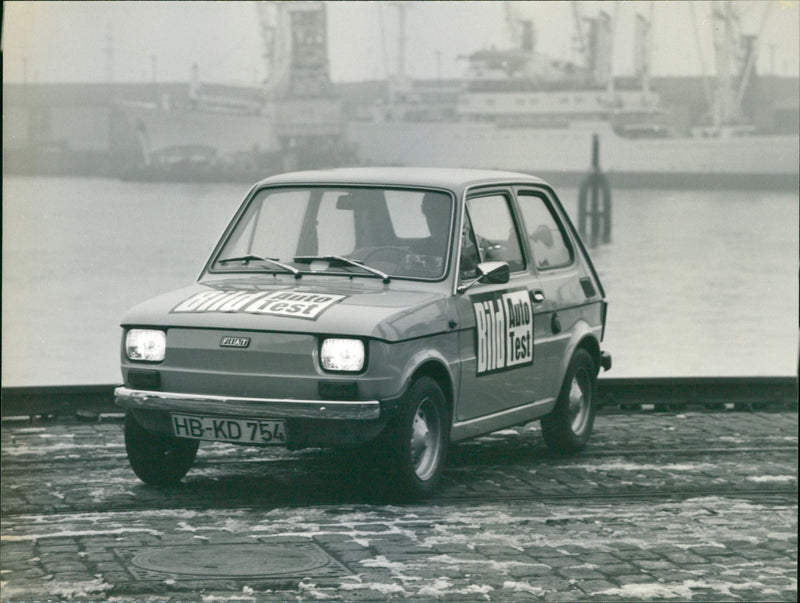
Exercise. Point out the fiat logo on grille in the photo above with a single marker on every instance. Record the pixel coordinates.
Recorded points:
(234, 342)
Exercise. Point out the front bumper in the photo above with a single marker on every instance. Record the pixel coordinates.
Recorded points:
(360, 410)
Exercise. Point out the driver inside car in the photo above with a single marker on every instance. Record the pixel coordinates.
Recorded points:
(436, 209)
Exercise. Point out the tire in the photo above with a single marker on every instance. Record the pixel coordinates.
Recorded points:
(418, 440)
(568, 426)
(156, 459)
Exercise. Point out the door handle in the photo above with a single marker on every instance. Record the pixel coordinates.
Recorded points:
(538, 297)
(555, 324)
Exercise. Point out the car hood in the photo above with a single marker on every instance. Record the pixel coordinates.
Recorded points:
(384, 312)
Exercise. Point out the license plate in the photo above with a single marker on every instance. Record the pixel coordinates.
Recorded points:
(240, 431)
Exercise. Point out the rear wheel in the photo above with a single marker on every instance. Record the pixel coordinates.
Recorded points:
(159, 460)
(419, 439)
(568, 427)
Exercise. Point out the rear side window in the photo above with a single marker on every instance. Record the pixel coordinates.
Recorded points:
(494, 230)
(544, 232)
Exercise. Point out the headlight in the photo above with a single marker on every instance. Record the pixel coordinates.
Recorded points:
(146, 344)
(342, 355)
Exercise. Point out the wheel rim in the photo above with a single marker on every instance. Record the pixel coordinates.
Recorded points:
(580, 401)
(426, 440)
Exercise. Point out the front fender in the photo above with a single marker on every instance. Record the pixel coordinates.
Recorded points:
(404, 359)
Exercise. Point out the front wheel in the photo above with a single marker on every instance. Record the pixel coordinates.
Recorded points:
(159, 460)
(419, 438)
(568, 426)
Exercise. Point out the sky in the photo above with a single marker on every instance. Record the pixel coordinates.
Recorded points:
(133, 41)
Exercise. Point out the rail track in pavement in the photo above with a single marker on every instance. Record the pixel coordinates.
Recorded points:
(511, 467)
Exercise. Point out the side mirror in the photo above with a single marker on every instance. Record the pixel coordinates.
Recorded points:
(346, 202)
(496, 273)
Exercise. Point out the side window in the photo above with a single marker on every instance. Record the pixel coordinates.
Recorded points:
(494, 230)
(550, 248)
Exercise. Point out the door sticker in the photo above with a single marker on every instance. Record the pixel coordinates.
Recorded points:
(504, 330)
(276, 303)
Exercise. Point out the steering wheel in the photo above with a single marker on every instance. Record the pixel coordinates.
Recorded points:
(399, 251)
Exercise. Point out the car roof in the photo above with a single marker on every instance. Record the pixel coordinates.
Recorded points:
(448, 178)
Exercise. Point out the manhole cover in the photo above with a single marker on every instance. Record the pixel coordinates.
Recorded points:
(273, 560)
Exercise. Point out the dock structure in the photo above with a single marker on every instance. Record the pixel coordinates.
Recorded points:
(595, 191)
(91, 402)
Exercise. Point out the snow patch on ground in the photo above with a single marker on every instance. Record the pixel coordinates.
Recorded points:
(382, 562)
(648, 591)
(629, 466)
(686, 590)
(81, 591)
(523, 587)
(380, 587)
(475, 589)
(185, 527)
(781, 535)
(498, 566)
(310, 590)
(210, 598)
(439, 588)
(761, 479)
(79, 533)
(39, 450)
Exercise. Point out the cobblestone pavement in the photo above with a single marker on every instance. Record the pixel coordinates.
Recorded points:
(660, 506)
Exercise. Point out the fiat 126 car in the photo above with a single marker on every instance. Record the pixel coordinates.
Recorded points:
(388, 310)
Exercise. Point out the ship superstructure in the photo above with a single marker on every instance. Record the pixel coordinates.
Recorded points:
(521, 110)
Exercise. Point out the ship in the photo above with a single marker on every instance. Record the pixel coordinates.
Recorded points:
(226, 132)
(520, 110)
(514, 109)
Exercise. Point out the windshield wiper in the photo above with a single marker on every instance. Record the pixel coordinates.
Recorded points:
(340, 259)
(258, 258)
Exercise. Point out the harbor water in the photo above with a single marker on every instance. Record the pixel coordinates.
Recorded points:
(700, 282)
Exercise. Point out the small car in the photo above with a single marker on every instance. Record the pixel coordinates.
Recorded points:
(389, 310)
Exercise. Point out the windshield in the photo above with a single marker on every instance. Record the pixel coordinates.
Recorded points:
(402, 233)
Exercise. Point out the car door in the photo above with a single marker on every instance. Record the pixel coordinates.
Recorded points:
(497, 325)
(563, 292)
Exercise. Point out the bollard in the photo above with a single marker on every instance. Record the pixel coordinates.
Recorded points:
(596, 184)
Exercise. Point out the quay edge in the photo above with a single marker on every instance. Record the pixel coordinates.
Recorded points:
(616, 394)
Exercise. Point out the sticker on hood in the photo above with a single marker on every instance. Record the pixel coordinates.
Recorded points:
(277, 303)
(504, 325)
